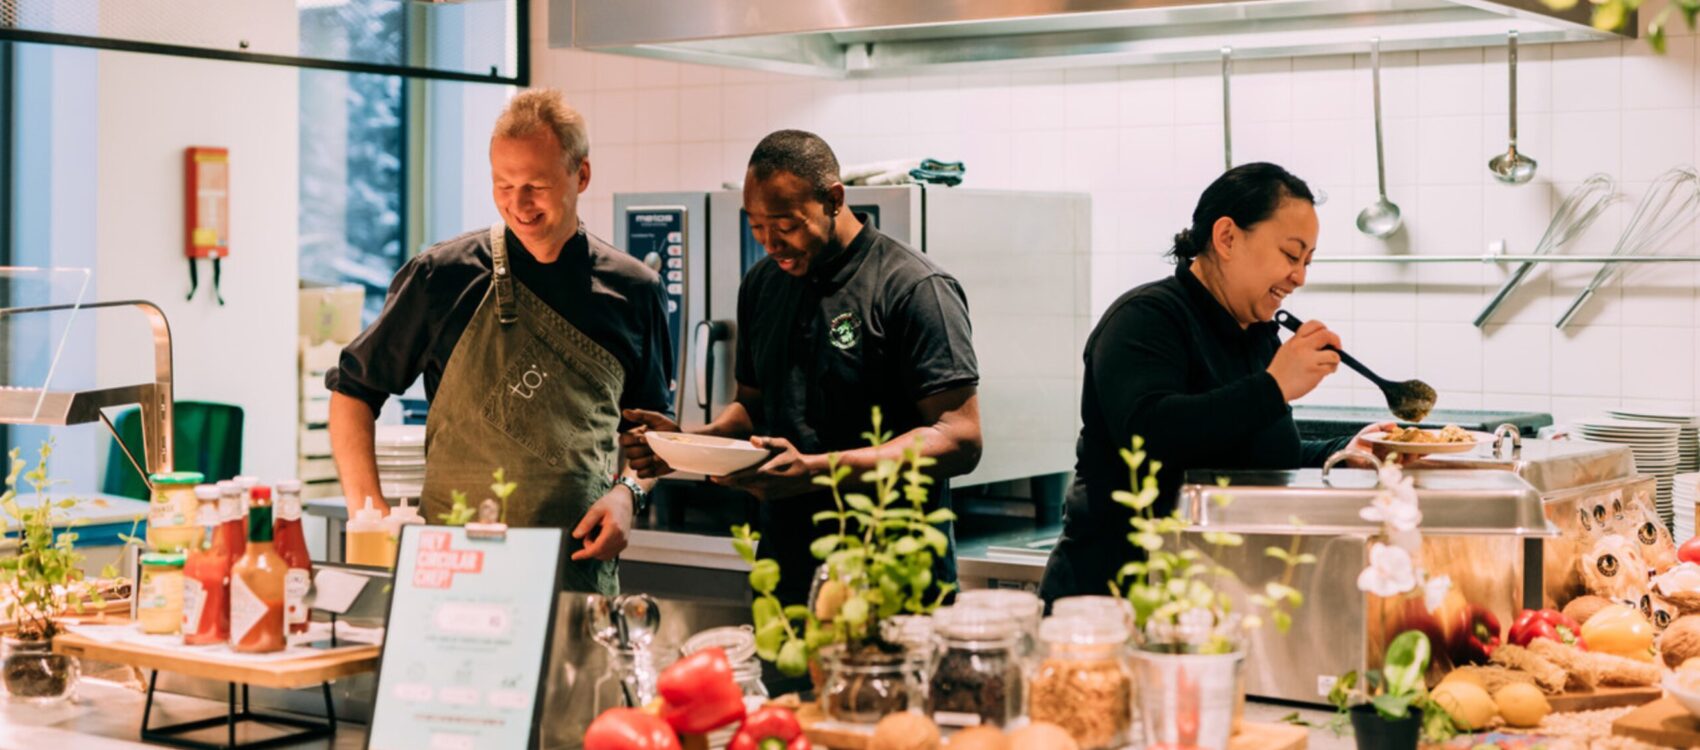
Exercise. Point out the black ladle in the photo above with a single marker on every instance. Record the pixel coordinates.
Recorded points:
(1410, 400)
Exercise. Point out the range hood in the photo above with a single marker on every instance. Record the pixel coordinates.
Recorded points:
(867, 38)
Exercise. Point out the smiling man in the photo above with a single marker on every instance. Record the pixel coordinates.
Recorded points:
(838, 319)
(532, 336)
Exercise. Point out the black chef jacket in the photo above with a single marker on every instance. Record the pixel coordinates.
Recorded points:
(1169, 363)
(874, 323)
(608, 295)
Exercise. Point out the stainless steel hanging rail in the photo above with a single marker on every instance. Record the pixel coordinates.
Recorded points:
(1402, 259)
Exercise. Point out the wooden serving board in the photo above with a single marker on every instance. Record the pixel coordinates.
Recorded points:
(1662, 722)
(285, 674)
(1605, 697)
(1252, 736)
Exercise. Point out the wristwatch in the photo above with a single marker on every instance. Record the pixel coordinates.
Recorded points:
(640, 499)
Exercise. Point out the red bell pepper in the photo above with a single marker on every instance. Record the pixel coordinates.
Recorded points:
(1475, 634)
(629, 729)
(699, 693)
(1546, 623)
(771, 728)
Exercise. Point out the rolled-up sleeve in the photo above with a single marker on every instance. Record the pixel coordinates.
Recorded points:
(1139, 364)
(390, 354)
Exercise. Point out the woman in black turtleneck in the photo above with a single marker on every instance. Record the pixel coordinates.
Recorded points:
(1192, 363)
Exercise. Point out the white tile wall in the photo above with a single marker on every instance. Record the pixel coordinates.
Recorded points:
(1144, 141)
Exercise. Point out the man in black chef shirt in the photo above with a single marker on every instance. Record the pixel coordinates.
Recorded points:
(527, 376)
(838, 318)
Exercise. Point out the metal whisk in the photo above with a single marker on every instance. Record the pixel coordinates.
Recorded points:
(1667, 207)
(1575, 214)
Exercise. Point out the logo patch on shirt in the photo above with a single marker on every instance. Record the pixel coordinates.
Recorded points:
(845, 330)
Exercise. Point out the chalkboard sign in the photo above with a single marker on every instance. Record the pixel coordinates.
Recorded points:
(468, 634)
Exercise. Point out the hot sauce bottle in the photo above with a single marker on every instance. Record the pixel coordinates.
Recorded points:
(292, 547)
(206, 578)
(232, 500)
(257, 585)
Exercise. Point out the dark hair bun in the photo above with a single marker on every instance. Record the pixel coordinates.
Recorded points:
(1185, 247)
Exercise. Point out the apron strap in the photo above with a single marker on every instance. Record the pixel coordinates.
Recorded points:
(507, 311)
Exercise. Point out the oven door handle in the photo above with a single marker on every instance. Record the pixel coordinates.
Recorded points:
(708, 332)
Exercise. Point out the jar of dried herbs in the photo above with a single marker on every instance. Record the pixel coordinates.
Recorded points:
(976, 676)
(1084, 683)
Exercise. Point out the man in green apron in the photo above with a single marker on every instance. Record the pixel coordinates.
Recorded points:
(532, 337)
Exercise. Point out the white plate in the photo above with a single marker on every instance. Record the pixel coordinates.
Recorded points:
(1421, 449)
(702, 454)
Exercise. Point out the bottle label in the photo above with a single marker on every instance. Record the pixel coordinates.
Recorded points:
(193, 598)
(153, 593)
(288, 508)
(246, 609)
(229, 509)
(295, 587)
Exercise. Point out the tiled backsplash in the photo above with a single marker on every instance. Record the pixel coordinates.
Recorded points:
(1144, 141)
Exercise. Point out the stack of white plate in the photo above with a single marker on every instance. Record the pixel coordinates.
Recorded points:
(1685, 494)
(1655, 447)
(401, 460)
(1687, 444)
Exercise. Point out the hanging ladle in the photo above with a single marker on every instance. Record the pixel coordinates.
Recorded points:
(1511, 167)
(1410, 400)
(1381, 219)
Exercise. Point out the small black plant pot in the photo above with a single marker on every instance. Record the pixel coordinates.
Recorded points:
(1376, 733)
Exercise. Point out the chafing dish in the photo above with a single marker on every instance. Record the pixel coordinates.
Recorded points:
(1483, 529)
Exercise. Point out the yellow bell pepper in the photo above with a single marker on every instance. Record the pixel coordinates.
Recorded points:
(1620, 630)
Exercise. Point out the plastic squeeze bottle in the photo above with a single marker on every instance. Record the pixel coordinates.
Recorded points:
(367, 540)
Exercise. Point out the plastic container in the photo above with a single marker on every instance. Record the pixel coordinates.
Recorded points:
(172, 513)
(367, 542)
(399, 516)
(160, 606)
(1084, 683)
(977, 671)
(291, 545)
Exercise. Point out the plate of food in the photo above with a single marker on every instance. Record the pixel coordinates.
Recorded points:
(704, 454)
(1449, 439)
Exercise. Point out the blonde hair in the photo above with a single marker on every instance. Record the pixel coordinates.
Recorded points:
(534, 110)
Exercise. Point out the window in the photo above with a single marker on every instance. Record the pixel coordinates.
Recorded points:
(353, 154)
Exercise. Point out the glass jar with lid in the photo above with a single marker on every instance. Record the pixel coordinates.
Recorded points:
(159, 605)
(739, 643)
(1110, 607)
(1024, 607)
(172, 525)
(1084, 682)
(977, 672)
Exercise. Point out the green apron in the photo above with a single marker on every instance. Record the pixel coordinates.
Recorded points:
(526, 391)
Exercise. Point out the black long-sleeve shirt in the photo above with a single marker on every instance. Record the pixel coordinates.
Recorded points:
(1168, 363)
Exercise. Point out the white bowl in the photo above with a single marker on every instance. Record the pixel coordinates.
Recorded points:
(704, 454)
(1690, 699)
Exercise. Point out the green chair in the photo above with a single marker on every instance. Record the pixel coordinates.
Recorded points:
(208, 440)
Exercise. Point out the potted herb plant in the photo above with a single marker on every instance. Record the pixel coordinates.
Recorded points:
(1191, 641)
(39, 583)
(1391, 710)
(877, 559)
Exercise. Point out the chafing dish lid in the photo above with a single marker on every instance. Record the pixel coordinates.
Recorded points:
(1453, 501)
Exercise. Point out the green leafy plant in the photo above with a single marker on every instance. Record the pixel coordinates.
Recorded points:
(878, 558)
(460, 512)
(43, 580)
(1174, 586)
(1613, 15)
(1396, 688)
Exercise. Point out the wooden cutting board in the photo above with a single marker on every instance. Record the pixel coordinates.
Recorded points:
(1605, 697)
(1252, 736)
(1662, 722)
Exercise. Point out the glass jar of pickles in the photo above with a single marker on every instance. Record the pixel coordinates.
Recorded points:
(171, 516)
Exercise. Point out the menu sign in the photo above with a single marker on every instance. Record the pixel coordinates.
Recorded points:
(469, 627)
